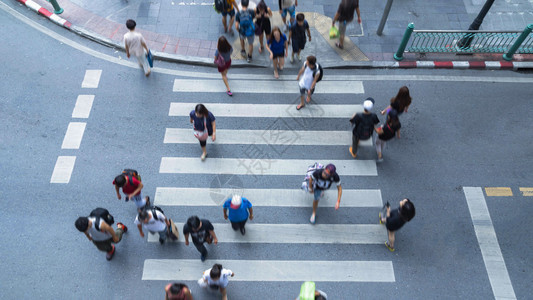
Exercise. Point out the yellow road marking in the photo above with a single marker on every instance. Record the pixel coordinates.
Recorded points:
(498, 191)
(527, 192)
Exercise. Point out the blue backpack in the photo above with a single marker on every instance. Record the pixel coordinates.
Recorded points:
(246, 23)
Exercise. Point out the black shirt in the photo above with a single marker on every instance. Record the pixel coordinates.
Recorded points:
(395, 220)
(200, 235)
(346, 10)
(364, 123)
(321, 183)
(389, 131)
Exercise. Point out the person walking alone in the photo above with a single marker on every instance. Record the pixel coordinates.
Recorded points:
(97, 228)
(244, 23)
(386, 132)
(216, 278)
(262, 23)
(277, 46)
(240, 209)
(223, 60)
(310, 73)
(320, 181)
(177, 291)
(135, 45)
(201, 231)
(395, 219)
(230, 7)
(297, 35)
(154, 221)
(344, 15)
(204, 126)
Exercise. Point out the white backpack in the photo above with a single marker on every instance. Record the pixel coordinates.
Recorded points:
(310, 170)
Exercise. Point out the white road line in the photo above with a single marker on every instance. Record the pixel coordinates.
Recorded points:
(296, 233)
(269, 110)
(91, 79)
(259, 166)
(74, 135)
(267, 137)
(63, 169)
(266, 86)
(214, 75)
(170, 196)
(83, 106)
(502, 288)
(272, 270)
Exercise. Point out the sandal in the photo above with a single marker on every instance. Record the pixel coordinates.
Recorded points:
(391, 249)
(339, 45)
(299, 106)
(276, 75)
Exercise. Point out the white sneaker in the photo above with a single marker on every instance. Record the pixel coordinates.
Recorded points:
(292, 59)
(285, 28)
(204, 155)
(299, 58)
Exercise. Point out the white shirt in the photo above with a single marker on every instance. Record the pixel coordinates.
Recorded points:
(96, 235)
(307, 78)
(223, 281)
(153, 225)
(133, 40)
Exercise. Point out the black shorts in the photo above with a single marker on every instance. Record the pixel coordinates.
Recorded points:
(265, 25)
(278, 54)
(297, 45)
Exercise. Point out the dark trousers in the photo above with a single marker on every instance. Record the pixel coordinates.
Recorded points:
(355, 143)
(106, 245)
(238, 225)
(200, 247)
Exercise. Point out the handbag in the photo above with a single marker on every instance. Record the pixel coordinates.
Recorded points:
(333, 32)
(173, 232)
(220, 61)
(150, 58)
(202, 135)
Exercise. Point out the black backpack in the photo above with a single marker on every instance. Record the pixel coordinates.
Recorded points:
(102, 213)
(220, 5)
(155, 208)
(130, 173)
(321, 72)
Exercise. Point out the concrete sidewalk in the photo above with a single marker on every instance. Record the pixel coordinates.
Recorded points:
(187, 30)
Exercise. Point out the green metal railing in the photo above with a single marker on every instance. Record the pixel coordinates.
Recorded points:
(473, 41)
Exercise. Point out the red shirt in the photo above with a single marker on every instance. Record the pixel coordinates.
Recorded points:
(129, 188)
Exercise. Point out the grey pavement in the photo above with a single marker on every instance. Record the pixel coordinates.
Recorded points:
(457, 133)
(190, 28)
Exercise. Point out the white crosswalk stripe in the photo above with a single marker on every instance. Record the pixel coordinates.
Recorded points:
(298, 233)
(272, 270)
(256, 167)
(170, 196)
(256, 110)
(266, 86)
(267, 137)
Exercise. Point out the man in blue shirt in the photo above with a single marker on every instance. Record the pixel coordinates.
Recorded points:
(238, 208)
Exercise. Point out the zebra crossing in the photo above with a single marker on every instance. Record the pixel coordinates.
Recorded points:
(287, 168)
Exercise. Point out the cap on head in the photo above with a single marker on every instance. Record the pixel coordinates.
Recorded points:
(236, 201)
(368, 104)
(331, 168)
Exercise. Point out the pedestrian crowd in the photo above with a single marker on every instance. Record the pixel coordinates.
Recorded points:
(97, 226)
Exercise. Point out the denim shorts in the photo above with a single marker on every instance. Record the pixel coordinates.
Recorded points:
(291, 10)
(231, 13)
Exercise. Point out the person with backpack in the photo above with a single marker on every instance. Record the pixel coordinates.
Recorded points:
(153, 220)
(287, 7)
(262, 23)
(320, 181)
(216, 278)
(227, 7)
(244, 23)
(386, 132)
(204, 126)
(223, 60)
(131, 184)
(97, 228)
(395, 219)
(344, 15)
(277, 46)
(201, 231)
(363, 125)
(297, 35)
(240, 209)
(177, 291)
(311, 73)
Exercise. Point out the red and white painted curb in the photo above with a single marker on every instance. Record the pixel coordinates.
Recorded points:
(490, 65)
(43, 11)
